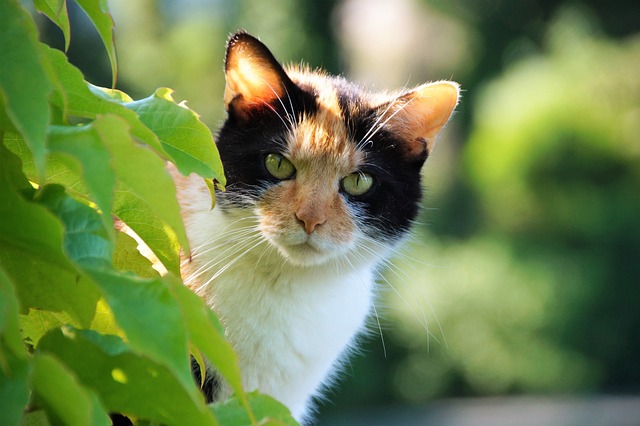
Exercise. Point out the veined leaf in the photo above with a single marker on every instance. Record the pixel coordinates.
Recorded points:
(124, 381)
(24, 85)
(76, 406)
(56, 10)
(183, 136)
(99, 15)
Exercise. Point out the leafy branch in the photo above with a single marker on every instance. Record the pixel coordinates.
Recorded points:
(87, 326)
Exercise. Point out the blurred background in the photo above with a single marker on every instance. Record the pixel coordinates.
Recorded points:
(518, 300)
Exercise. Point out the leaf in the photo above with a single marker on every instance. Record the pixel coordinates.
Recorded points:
(35, 418)
(79, 98)
(9, 324)
(37, 323)
(207, 334)
(84, 145)
(135, 211)
(76, 405)
(56, 10)
(99, 16)
(267, 411)
(24, 86)
(124, 381)
(141, 173)
(143, 308)
(183, 136)
(14, 386)
(31, 251)
(128, 258)
(14, 367)
(155, 232)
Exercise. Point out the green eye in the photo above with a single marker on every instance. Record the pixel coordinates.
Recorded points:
(279, 166)
(357, 183)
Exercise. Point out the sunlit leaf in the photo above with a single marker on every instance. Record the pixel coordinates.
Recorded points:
(184, 137)
(141, 173)
(100, 17)
(24, 85)
(124, 381)
(76, 406)
(56, 10)
(84, 145)
(127, 257)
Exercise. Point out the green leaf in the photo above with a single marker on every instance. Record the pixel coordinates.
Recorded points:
(184, 137)
(137, 303)
(266, 410)
(154, 231)
(14, 368)
(76, 405)
(56, 10)
(9, 324)
(139, 214)
(14, 386)
(24, 86)
(35, 418)
(207, 334)
(99, 15)
(79, 98)
(31, 251)
(84, 145)
(128, 258)
(124, 381)
(141, 173)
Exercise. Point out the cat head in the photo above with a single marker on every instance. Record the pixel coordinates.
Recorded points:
(323, 165)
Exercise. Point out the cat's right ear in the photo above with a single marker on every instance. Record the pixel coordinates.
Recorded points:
(253, 75)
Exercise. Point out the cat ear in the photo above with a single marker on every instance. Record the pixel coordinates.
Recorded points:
(418, 116)
(253, 75)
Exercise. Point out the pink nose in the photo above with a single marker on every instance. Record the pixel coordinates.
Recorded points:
(310, 220)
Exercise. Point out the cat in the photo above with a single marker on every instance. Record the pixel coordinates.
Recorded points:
(323, 183)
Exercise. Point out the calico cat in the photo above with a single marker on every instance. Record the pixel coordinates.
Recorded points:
(323, 183)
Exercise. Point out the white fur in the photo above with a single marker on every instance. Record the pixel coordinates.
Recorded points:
(289, 324)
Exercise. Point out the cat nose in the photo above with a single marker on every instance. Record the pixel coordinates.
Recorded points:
(310, 220)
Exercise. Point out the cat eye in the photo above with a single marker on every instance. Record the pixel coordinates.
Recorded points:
(357, 183)
(279, 166)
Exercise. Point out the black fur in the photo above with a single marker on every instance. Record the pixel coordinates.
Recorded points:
(390, 206)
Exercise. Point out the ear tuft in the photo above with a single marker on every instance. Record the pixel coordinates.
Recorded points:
(418, 116)
(253, 75)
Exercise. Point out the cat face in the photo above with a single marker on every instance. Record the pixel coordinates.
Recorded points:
(326, 168)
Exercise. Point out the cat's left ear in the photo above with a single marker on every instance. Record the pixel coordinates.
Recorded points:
(418, 116)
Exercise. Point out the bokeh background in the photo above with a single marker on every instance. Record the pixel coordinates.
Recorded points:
(523, 280)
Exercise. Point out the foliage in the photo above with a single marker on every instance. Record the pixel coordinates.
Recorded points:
(87, 326)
